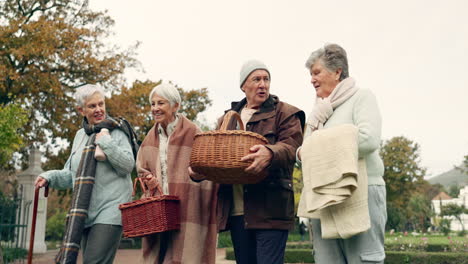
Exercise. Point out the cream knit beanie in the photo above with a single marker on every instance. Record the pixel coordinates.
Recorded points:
(249, 67)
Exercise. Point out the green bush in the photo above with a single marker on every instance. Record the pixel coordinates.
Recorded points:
(392, 257)
(224, 239)
(10, 254)
(130, 243)
(8, 210)
(290, 256)
(462, 233)
(444, 226)
(55, 226)
(395, 257)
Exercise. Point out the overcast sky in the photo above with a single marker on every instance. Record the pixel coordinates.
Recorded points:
(412, 54)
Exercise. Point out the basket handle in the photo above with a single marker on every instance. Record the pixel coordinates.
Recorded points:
(142, 185)
(227, 118)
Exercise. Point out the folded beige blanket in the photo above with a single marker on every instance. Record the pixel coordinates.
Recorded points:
(335, 183)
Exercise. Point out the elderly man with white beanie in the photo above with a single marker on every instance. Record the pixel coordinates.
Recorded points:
(260, 215)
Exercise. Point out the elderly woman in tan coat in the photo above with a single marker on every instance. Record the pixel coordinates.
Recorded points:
(163, 159)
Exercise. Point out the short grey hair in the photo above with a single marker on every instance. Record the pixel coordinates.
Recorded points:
(84, 92)
(167, 91)
(333, 57)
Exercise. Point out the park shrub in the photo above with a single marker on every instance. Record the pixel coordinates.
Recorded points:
(130, 243)
(431, 243)
(11, 254)
(291, 255)
(55, 226)
(444, 226)
(224, 239)
(398, 257)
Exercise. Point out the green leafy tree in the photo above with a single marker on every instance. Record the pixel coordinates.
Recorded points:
(133, 104)
(444, 226)
(454, 190)
(419, 212)
(12, 118)
(456, 211)
(402, 174)
(194, 102)
(47, 49)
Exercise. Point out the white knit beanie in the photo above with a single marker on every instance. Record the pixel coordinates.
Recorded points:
(249, 67)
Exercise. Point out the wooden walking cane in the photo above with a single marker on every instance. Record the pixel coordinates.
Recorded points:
(33, 222)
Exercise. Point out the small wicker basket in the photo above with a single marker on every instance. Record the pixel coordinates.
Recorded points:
(150, 215)
(217, 154)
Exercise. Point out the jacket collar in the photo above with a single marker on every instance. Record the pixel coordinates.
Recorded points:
(265, 111)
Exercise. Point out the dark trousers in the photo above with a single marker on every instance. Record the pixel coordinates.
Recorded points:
(257, 246)
(100, 243)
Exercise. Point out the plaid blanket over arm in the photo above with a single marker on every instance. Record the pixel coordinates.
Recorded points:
(78, 212)
(83, 187)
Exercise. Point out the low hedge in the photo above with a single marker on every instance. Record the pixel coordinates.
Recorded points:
(426, 257)
(455, 247)
(392, 257)
(224, 239)
(291, 255)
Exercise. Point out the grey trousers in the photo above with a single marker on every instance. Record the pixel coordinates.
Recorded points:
(367, 247)
(100, 243)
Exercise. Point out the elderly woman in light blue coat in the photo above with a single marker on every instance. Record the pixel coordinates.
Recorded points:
(112, 186)
(340, 101)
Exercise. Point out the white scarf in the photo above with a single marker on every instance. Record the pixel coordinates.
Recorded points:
(324, 107)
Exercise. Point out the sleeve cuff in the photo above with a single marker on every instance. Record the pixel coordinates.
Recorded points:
(104, 141)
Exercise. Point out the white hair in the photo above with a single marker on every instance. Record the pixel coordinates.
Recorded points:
(167, 91)
(333, 57)
(84, 92)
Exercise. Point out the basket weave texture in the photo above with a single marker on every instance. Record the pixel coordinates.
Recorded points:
(150, 215)
(217, 154)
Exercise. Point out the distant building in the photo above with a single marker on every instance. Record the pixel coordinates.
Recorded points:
(443, 199)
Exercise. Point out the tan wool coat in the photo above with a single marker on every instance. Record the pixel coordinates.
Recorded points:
(195, 242)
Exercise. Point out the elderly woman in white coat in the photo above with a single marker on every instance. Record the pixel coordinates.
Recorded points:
(339, 101)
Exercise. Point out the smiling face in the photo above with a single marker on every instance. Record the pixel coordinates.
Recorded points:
(323, 80)
(257, 88)
(162, 111)
(94, 109)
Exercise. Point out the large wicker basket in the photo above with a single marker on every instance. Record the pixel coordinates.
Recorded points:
(217, 154)
(150, 215)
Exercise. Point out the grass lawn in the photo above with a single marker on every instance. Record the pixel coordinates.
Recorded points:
(431, 239)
